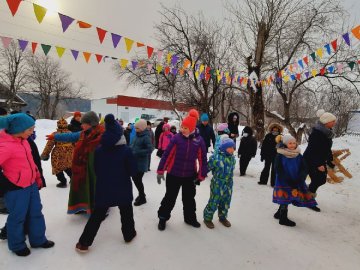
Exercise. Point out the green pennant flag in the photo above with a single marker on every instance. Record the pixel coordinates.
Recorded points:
(313, 56)
(46, 48)
(351, 65)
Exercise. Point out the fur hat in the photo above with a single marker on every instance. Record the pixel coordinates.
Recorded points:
(288, 138)
(90, 118)
(62, 124)
(190, 120)
(204, 117)
(222, 126)
(16, 123)
(166, 126)
(77, 113)
(141, 124)
(325, 117)
(226, 143)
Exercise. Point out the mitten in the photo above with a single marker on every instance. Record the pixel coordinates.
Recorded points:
(159, 178)
(50, 137)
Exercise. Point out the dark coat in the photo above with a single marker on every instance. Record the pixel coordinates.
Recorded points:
(74, 126)
(268, 147)
(141, 147)
(127, 135)
(318, 152)
(233, 126)
(207, 133)
(114, 167)
(248, 146)
(37, 159)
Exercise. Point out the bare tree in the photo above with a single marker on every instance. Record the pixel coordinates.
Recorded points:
(50, 84)
(13, 71)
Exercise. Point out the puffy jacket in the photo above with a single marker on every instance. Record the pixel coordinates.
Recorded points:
(207, 133)
(248, 146)
(268, 147)
(17, 162)
(179, 158)
(141, 147)
(164, 140)
(222, 166)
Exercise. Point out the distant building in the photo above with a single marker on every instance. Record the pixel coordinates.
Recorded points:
(17, 104)
(353, 126)
(128, 108)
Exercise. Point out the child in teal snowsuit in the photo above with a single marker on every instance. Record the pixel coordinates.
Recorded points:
(222, 164)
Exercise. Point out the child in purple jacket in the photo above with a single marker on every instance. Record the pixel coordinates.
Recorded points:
(180, 161)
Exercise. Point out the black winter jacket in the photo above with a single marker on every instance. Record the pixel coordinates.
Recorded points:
(248, 146)
(268, 147)
(207, 133)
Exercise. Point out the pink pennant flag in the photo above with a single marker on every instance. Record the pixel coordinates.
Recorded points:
(149, 67)
(159, 55)
(6, 41)
(340, 68)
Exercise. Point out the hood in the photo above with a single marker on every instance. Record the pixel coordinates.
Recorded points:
(230, 117)
(6, 137)
(272, 125)
(248, 130)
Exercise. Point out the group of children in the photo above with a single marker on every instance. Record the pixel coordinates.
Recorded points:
(103, 165)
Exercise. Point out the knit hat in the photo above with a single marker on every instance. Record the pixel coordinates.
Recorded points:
(222, 126)
(325, 117)
(190, 120)
(248, 130)
(2, 111)
(141, 124)
(16, 123)
(166, 126)
(77, 113)
(204, 117)
(113, 131)
(62, 124)
(288, 138)
(226, 143)
(90, 118)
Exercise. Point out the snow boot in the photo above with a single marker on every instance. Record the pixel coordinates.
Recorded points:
(81, 248)
(141, 199)
(3, 233)
(277, 214)
(315, 208)
(209, 224)
(225, 222)
(193, 223)
(284, 219)
(162, 224)
(61, 185)
(23, 252)
(47, 244)
(128, 239)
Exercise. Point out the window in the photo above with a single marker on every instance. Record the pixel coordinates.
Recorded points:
(126, 108)
(143, 109)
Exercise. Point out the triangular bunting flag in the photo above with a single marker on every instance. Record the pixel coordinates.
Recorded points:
(23, 44)
(115, 39)
(319, 52)
(84, 24)
(159, 68)
(65, 21)
(75, 54)
(307, 74)
(314, 72)
(322, 71)
(328, 49)
(46, 48)
(293, 78)
(346, 38)
(167, 70)
(101, 33)
(351, 65)
(159, 55)
(134, 64)
(60, 51)
(298, 76)
(138, 44)
(356, 32)
(13, 5)
(6, 41)
(174, 59)
(313, 56)
(181, 72)
(339, 68)
(187, 63)
(301, 64)
(331, 69)
(168, 58)
(40, 12)
(149, 67)
(306, 60)
(150, 51)
(334, 44)
(128, 43)
(87, 56)
(123, 63)
(286, 78)
(99, 57)
(33, 46)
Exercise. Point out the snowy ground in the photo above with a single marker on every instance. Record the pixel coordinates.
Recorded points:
(326, 240)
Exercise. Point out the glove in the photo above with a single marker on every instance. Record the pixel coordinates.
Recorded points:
(197, 182)
(44, 158)
(50, 137)
(159, 178)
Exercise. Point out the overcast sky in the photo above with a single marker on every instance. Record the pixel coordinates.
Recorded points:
(131, 18)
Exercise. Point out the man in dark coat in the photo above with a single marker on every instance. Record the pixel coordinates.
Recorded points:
(318, 153)
(159, 130)
(247, 149)
(206, 131)
(268, 154)
(75, 124)
(233, 125)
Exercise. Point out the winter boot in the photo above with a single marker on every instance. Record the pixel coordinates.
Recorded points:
(284, 219)
(315, 208)
(162, 224)
(225, 222)
(277, 214)
(81, 248)
(128, 239)
(47, 244)
(209, 224)
(193, 223)
(3, 233)
(23, 252)
(141, 199)
(61, 185)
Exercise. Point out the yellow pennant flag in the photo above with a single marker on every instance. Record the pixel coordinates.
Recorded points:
(197, 74)
(168, 58)
(218, 78)
(245, 81)
(286, 78)
(60, 51)
(202, 67)
(319, 52)
(217, 72)
(87, 56)
(314, 72)
(193, 65)
(40, 12)
(123, 63)
(128, 43)
(159, 68)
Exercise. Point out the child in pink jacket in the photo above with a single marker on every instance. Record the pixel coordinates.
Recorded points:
(23, 182)
(164, 139)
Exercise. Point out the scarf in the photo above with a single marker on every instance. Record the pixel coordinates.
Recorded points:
(289, 153)
(327, 131)
(87, 143)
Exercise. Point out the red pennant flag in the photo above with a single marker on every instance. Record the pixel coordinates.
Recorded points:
(298, 76)
(33, 46)
(334, 44)
(322, 71)
(167, 70)
(13, 5)
(84, 24)
(306, 60)
(150, 51)
(101, 34)
(98, 58)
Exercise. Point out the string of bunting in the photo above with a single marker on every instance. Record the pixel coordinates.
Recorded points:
(300, 69)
